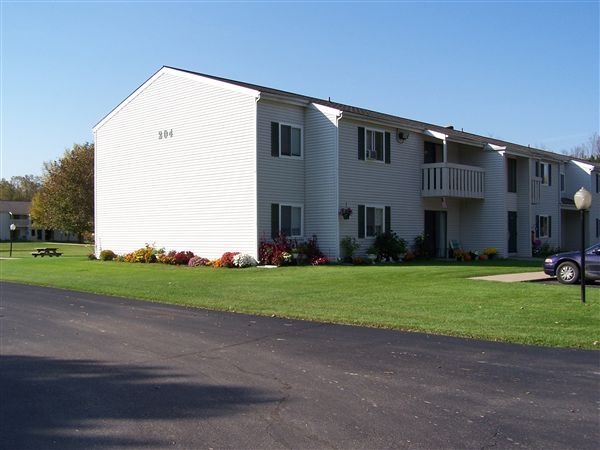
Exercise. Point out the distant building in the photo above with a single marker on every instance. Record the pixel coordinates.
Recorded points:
(195, 162)
(18, 213)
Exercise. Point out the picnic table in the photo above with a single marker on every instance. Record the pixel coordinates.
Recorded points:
(46, 251)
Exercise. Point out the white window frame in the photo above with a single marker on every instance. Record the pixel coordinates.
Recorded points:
(292, 205)
(370, 142)
(292, 127)
(375, 232)
(544, 226)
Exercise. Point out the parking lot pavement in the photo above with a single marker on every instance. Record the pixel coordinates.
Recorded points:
(516, 277)
(520, 277)
(87, 371)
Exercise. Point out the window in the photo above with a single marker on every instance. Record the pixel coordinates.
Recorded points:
(374, 145)
(373, 220)
(286, 140)
(562, 182)
(543, 226)
(544, 171)
(511, 171)
(291, 220)
(286, 220)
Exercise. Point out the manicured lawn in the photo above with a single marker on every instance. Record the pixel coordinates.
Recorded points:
(435, 296)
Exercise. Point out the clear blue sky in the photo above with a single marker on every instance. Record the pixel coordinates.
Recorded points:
(526, 72)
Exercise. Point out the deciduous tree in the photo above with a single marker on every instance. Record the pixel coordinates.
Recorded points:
(66, 198)
(589, 150)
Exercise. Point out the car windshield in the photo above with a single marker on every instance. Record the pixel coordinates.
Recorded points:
(593, 247)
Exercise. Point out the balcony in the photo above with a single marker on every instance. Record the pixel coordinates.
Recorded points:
(452, 180)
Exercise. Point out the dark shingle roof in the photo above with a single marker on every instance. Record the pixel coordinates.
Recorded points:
(399, 122)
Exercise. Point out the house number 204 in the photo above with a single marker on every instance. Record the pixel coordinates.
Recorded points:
(164, 134)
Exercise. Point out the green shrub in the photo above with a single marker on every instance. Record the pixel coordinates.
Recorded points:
(107, 255)
(349, 246)
(388, 246)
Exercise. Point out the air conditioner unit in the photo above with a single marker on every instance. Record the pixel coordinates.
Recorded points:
(401, 135)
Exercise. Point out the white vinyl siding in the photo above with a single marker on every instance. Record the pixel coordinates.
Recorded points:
(194, 190)
(279, 180)
(548, 205)
(321, 187)
(483, 223)
(397, 185)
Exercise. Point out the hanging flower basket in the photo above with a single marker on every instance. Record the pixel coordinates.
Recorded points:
(345, 213)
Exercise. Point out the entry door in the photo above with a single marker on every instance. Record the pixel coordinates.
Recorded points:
(512, 232)
(435, 230)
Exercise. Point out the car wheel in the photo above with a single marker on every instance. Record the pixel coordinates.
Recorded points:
(567, 272)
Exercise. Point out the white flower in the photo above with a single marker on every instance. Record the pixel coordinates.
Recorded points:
(244, 260)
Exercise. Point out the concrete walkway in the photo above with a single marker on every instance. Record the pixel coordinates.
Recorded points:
(515, 277)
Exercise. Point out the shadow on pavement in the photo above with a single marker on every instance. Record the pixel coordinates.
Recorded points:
(55, 403)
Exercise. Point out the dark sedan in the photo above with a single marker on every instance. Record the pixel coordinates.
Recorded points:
(566, 267)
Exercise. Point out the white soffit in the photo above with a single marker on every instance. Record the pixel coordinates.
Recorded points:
(586, 167)
(326, 109)
(436, 134)
(496, 148)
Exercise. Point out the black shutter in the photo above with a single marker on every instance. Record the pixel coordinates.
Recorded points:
(549, 226)
(274, 220)
(361, 221)
(387, 149)
(537, 226)
(274, 139)
(549, 174)
(361, 143)
(537, 168)
(388, 219)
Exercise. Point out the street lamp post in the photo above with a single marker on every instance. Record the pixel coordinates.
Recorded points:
(13, 227)
(583, 201)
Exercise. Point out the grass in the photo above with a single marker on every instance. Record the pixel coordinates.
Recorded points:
(435, 296)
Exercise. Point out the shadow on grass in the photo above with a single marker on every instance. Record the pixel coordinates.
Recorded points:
(63, 404)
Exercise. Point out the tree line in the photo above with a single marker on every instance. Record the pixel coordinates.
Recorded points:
(63, 197)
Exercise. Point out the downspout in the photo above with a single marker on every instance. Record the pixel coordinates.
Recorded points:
(338, 118)
(256, 237)
(445, 150)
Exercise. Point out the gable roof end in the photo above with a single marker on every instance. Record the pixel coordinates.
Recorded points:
(180, 73)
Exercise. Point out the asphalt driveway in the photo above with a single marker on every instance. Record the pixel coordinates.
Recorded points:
(87, 371)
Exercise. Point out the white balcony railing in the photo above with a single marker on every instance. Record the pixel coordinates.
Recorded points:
(536, 184)
(452, 180)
